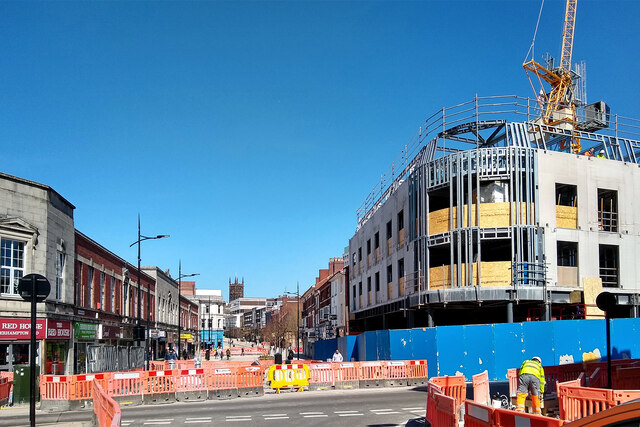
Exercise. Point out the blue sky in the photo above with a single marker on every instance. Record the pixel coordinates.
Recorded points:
(252, 131)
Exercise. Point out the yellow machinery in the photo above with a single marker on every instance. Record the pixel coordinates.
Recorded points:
(558, 107)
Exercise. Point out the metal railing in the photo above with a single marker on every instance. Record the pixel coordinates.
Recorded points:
(479, 110)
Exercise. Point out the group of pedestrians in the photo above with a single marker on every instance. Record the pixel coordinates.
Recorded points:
(217, 353)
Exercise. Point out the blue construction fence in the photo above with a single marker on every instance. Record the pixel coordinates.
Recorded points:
(471, 349)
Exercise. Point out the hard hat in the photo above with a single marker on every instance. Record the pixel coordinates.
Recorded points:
(537, 359)
(601, 151)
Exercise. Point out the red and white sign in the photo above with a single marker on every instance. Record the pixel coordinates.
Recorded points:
(20, 329)
(58, 329)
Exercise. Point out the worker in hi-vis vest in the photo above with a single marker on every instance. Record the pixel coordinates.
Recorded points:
(530, 381)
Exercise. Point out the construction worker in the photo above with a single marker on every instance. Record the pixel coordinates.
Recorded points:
(530, 381)
(601, 155)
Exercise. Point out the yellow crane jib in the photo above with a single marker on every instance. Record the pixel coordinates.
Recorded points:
(288, 376)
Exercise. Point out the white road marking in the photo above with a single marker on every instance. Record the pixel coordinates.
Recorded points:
(157, 423)
(311, 413)
(381, 410)
(351, 415)
(274, 415)
(344, 412)
(277, 418)
(238, 419)
(159, 420)
(316, 416)
(198, 421)
(238, 416)
(387, 413)
(412, 409)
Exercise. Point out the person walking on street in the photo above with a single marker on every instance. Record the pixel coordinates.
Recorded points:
(531, 381)
(242, 351)
(228, 354)
(337, 357)
(207, 354)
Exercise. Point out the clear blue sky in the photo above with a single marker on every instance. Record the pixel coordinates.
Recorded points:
(252, 131)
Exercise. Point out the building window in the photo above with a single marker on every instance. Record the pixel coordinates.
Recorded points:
(400, 268)
(78, 299)
(102, 279)
(369, 284)
(608, 210)
(360, 288)
(609, 265)
(566, 195)
(11, 266)
(401, 220)
(89, 303)
(377, 281)
(59, 275)
(113, 295)
(369, 247)
(567, 254)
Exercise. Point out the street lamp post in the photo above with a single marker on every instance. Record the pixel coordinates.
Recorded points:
(141, 239)
(297, 318)
(180, 276)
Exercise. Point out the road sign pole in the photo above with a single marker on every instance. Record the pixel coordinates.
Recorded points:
(32, 356)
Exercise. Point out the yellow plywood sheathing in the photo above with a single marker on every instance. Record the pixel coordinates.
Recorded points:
(592, 287)
(492, 215)
(566, 216)
(496, 273)
(568, 276)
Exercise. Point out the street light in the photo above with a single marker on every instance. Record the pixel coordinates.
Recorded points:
(297, 294)
(180, 276)
(141, 239)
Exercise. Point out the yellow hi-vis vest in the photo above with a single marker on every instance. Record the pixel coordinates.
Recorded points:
(534, 368)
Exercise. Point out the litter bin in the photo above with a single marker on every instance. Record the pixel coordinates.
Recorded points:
(21, 384)
(277, 359)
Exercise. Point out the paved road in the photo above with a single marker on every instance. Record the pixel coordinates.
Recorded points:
(376, 407)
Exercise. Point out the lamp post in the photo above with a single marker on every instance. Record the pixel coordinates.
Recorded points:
(297, 294)
(141, 239)
(180, 276)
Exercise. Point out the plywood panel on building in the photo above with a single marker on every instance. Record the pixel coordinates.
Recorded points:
(592, 287)
(568, 276)
(496, 273)
(566, 216)
(492, 215)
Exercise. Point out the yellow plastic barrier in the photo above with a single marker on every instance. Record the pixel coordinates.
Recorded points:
(288, 376)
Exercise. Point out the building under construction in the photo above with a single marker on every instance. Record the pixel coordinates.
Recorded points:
(492, 215)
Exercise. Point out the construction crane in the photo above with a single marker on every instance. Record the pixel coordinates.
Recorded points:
(559, 107)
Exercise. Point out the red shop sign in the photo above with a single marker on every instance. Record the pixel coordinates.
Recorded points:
(59, 329)
(20, 329)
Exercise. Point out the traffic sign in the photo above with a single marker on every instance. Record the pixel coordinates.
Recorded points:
(42, 286)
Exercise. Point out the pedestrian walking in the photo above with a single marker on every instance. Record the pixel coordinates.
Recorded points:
(337, 357)
(228, 354)
(531, 381)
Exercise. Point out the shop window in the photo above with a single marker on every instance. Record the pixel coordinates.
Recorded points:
(608, 210)
(55, 357)
(11, 265)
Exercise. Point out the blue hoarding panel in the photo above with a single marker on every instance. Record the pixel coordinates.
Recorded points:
(624, 338)
(451, 350)
(592, 340)
(425, 348)
(567, 342)
(400, 344)
(382, 340)
(370, 345)
(478, 348)
(351, 349)
(508, 343)
(538, 341)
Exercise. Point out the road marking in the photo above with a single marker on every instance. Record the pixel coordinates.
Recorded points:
(351, 415)
(412, 409)
(274, 415)
(159, 420)
(238, 416)
(198, 421)
(345, 412)
(316, 416)
(311, 413)
(157, 423)
(381, 410)
(238, 419)
(277, 418)
(387, 413)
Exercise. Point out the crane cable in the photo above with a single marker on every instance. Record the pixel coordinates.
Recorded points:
(533, 42)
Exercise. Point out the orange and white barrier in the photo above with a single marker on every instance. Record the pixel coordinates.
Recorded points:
(250, 380)
(441, 409)
(191, 385)
(508, 418)
(452, 386)
(478, 415)
(107, 411)
(480, 384)
(5, 389)
(346, 375)
(321, 376)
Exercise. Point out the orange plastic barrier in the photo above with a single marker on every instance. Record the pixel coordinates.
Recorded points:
(322, 374)
(159, 382)
(5, 388)
(55, 387)
(345, 374)
(577, 402)
(250, 377)
(512, 377)
(82, 385)
(222, 378)
(622, 396)
(397, 372)
(441, 409)
(481, 388)
(156, 365)
(508, 418)
(191, 380)
(478, 415)
(125, 384)
(418, 369)
(106, 409)
(372, 373)
(453, 386)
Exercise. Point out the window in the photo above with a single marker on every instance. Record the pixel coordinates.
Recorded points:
(369, 247)
(401, 220)
(360, 289)
(89, 303)
(400, 268)
(11, 266)
(389, 274)
(112, 308)
(567, 254)
(359, 254)
(608, 210)
(210, 323)
(566, 195)
(102, 279)
(59, 274)
(376, 240)
(609, 273)
(369, 284)
(389, 230)
(377, 281)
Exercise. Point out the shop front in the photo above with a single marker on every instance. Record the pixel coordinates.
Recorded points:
(85, 335)
(158, 339)
(14, 341)
(56, 346)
